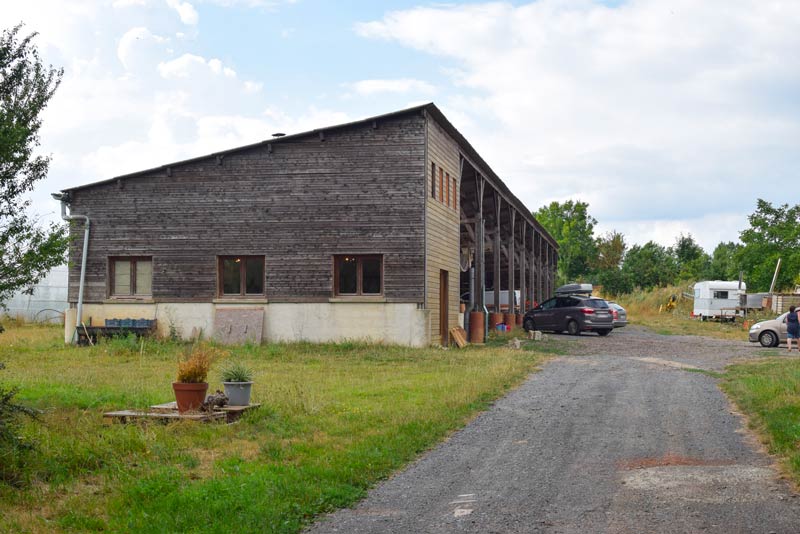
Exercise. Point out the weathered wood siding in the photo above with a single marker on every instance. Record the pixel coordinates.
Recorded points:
(442, 234)
(358, 191)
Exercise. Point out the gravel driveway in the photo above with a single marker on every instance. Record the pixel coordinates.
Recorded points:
(617, 437)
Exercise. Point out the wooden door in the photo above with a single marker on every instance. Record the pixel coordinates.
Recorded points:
(444, 298)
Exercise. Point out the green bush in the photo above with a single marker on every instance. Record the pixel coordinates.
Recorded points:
(13, 448)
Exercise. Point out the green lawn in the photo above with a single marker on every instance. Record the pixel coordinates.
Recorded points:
(335, 419)
(769, 393)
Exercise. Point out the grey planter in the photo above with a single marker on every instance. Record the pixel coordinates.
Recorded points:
(238, 393)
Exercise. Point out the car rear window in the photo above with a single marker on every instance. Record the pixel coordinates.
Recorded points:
(597, 303)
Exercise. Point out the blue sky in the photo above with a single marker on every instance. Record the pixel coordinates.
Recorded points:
(667, 117)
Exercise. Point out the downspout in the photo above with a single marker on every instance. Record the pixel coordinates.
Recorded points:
(64, 199)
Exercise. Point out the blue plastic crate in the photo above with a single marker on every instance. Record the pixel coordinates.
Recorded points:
(126, 323)
(112, 322)
(143, 323)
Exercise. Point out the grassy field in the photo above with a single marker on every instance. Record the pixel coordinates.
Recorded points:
(335, 419)
(769, 393)
(646, 308)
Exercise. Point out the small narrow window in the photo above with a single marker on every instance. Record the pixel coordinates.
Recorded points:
(433, 180)
(455, 195)
(720, 294)
(358, 275)
(131, 277)
(441, 184)
(241, 276)
(447, 188)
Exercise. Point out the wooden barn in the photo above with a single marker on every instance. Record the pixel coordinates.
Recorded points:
(367, 230)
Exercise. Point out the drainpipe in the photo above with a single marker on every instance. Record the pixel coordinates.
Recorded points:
(64, 199)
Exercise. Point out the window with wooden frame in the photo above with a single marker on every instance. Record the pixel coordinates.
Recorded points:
(241, 276)
(358, 275)
(441, 184)
(130, 276)
(447, 188)
(455, 195)
(433, 180)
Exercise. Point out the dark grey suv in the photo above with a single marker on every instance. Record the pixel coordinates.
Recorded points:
(572, 313)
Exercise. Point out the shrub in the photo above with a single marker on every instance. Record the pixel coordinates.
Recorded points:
(237, 372)
(193, 367)
(13, 448)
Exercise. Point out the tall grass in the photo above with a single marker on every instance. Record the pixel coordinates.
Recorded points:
(649, 308)
(769, 393)
(334, 420)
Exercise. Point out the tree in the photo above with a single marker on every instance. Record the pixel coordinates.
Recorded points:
(693, 262)
(611, 249)
(774, 233)
(650, 265)
(573, 229)
(27, 251)
(724, 265)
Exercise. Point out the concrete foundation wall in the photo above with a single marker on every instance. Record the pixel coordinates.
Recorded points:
(393, 323)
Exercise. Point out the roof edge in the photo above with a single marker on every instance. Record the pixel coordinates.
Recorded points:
(274, 140)
(430, 108)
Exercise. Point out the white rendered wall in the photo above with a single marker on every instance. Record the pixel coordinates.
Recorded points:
(392, 323)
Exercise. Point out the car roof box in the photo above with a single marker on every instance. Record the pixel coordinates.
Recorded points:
(575, 289)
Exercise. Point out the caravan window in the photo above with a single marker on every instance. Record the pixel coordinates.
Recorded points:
(720, 294)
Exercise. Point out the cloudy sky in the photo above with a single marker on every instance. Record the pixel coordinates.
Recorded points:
(665, 116)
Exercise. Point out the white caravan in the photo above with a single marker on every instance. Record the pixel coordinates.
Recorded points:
(718, 299)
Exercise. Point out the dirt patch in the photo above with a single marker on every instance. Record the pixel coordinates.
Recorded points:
(711, 484)
(667, 363)
(668, 460)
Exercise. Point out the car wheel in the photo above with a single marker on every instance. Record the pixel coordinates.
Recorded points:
(768, 339)
(527, 325)
(573, 329)
(603, 332)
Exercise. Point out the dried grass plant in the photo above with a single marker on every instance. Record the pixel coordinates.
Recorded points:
(193, 366)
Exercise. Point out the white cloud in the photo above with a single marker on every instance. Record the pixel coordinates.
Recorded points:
(253, 87)
(186, 11)
(266, 4)
(399, 85)
(119, 4)
(137, 48)
(311, 119)
(677, 111)
(707, 230)
(189, 65)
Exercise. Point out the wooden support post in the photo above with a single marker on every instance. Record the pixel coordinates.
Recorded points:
(550, 273)
(540, 265)
(498, 202)
(481, 247)
(523, 287)
(546, 270)
(510, 316)
(480, 256)
(532, 269)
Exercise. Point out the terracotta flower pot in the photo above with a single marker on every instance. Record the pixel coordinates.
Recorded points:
(189, 396)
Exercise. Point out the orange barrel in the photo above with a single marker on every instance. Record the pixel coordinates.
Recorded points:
(494, 320)
(476, 327)
(511, 320)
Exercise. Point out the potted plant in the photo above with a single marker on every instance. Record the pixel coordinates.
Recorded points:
(237, 380)
(191, 384)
